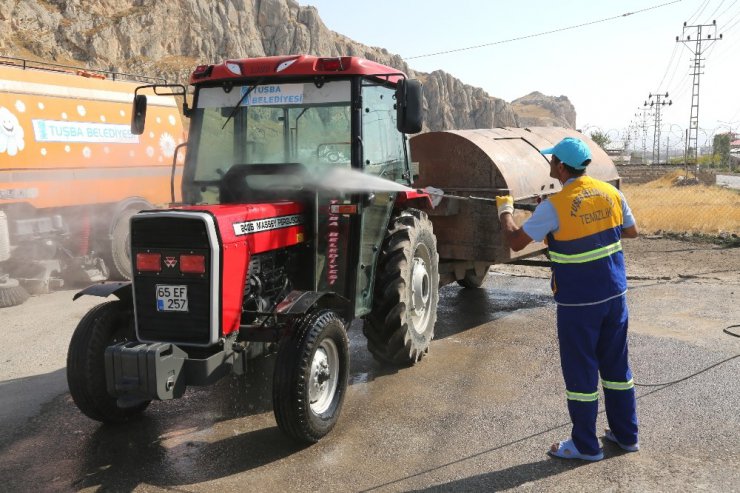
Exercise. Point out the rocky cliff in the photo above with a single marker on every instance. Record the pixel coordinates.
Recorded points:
(547, 111)
(168, 38)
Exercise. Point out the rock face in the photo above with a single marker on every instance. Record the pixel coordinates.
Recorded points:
(536, 109)
(168, 38)
(450, 104)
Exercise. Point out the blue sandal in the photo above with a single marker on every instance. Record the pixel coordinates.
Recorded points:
(567, 450)
(628, 448)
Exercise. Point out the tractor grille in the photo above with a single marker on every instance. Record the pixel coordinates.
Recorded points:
(171, 237)
(169, 232)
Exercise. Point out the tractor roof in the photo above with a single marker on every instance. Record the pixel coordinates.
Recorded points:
(292, 66)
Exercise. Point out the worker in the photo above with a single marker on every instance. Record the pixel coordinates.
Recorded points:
(583, 225)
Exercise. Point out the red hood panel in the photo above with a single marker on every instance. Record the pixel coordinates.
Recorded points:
(263, 227)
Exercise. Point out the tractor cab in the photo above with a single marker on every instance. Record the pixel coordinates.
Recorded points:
(298, 129)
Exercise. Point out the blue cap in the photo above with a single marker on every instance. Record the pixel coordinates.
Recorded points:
(571, 151)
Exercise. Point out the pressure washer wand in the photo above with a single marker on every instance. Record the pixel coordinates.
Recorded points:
(517, 205)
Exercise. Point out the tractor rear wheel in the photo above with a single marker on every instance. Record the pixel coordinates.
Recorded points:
(104, 325)
(473, 280)
(119, 258)
(310, 379)
(400, 326)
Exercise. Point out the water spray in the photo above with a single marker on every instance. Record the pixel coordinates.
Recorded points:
(353, 181)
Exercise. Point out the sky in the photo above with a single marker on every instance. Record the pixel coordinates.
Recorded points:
(607, 69)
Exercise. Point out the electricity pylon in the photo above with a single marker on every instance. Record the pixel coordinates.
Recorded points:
(703, 34)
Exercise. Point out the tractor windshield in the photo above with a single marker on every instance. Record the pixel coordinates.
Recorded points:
(274, 124)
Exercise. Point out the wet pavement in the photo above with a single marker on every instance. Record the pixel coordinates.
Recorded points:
(478, 413)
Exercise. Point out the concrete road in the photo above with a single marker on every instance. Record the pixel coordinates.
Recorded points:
(729, 181)
(477, 414)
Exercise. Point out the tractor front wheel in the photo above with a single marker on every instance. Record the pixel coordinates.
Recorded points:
(310, 379)
(104, 325)
(400, 326)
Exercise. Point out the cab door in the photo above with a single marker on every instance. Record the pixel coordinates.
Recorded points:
(383, 156)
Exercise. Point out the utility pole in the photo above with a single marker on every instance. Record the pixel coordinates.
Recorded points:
(686, 154)
(667, 148)
(707, 34)
(627, 140)
(645, 113)
(656, 131)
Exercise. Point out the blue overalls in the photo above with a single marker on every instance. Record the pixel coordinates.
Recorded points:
(589, 285)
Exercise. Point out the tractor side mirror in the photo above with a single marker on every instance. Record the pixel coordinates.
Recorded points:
(138, 115)
(409, 106)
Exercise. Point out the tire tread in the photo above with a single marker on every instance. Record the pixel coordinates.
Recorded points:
(86, 368)
(386, 330)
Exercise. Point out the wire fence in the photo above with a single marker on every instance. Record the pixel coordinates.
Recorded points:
(673, 199)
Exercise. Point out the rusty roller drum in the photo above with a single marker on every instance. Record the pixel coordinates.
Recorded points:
(485, 163)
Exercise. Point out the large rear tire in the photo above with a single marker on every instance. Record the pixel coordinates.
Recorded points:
(119, 258)
(400, 326)
(310, 379)
(104, 325)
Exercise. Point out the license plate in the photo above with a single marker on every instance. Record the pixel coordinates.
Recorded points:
(172, 298)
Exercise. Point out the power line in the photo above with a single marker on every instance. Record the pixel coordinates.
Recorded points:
(673, 76)
(702, 11)
(680, 88)
(698, 12)
(711, 16)
(528, 36)
(732, 21)
(709, 50)
(728, 8)
(728, 49)
(668, 68)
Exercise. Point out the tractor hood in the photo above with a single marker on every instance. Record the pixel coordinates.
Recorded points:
(262, 227)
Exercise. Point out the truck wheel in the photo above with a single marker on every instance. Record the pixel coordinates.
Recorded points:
(120, 248)
(472, 280)
(400, 326)
(11, 293)
(310, 378)
(102, 326)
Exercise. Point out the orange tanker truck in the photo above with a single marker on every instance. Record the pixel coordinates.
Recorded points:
(72, 173)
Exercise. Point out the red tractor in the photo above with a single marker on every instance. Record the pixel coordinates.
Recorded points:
(258, 257)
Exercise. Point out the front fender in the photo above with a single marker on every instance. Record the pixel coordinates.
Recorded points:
(122, 289)
(300, 302)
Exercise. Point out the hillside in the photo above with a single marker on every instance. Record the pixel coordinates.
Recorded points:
(167, 38)
(536, 109)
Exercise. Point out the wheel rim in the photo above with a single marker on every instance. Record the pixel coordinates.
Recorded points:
(421, 297)
(324, 376)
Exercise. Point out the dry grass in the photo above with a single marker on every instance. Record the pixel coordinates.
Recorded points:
(662, 205)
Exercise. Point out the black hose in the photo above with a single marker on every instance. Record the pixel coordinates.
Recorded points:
(729, 332)
(726, 331)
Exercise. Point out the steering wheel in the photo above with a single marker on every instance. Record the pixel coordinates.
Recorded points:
(236, 186)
